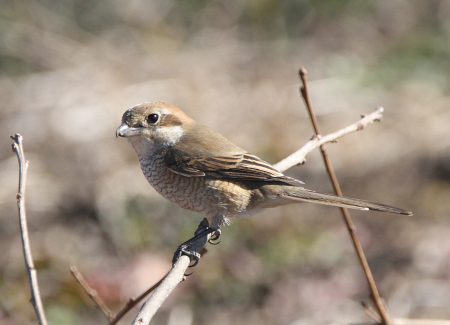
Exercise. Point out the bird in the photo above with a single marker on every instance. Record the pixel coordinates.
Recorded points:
(198, 169)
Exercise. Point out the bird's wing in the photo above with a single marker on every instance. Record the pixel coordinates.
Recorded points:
(239, 165)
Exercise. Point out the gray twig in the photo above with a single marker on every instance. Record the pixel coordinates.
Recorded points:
(92, 293)
(133, 302)
(32, 275)
(173, 278)
(298, 157)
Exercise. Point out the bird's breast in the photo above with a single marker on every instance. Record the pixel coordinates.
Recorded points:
(212, 197)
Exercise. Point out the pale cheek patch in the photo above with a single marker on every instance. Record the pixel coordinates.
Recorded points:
(169, 135)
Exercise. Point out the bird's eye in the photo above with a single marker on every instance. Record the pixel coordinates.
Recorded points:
(152, 118)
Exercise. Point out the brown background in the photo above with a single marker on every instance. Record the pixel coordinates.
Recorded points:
(69, 69)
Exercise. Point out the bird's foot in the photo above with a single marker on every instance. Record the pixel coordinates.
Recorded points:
(186, 247)
(214, 237)
(184, 250)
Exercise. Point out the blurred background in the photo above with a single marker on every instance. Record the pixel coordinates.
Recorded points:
(70, 68)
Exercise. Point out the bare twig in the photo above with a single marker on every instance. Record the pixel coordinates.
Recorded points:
(298, 157)
(405, 321)
(173, 278)
(32, 275)
(370, 311)
(92, 293)
(345, 214)
(169, 283)
(134, 301)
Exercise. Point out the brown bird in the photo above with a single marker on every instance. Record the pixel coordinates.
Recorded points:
(198, 169)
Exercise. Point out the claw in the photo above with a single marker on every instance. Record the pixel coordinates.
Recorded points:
(182, 250)
(195, 263)
(185, 248)
(214, 237)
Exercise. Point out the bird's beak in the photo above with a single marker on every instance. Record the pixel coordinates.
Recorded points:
(125, 131)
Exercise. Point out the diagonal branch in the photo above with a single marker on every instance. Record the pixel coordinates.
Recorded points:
(32, 275)
(170, 282)
(92, 293)
(134, 301)
(298, 157)
(345, 214)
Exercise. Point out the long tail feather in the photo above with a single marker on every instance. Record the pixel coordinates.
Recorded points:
(299, 193)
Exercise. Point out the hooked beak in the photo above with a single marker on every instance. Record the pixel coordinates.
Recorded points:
(125, 131)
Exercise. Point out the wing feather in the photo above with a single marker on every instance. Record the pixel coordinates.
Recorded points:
(242, 166)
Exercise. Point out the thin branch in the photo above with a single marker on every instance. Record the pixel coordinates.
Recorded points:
(405, 321)
(345, 214)
(92, 293)
(32, 275)
(173, 278)
(134, 301)
(98, 301)
(371, 312)
(298, 157)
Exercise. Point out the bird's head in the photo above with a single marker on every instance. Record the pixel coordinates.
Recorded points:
(155, 123)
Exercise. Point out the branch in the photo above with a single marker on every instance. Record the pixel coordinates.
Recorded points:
(133, 302)
(371, 312)
(405, 321)
(92, 293)
(298, 157)
(32, 275)
(345, 214)
(173, 278)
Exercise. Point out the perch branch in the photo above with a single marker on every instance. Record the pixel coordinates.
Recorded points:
(345, 214)
(173, 278)
(32, 274)
(133, 302)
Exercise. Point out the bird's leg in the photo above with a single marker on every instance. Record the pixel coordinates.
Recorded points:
(202, 225)
(184, 249)
(215, 236)
(205, 224)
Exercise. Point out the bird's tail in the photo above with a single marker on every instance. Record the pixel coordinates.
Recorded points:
(301, 194)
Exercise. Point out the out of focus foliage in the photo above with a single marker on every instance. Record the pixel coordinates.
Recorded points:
(70, 68)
